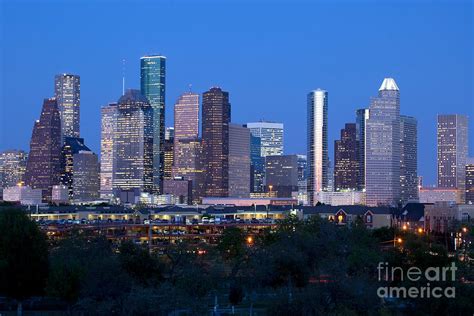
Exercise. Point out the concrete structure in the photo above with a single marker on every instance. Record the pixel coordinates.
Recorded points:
(168, 154)
(317, 146)
(302, 180)
(153, 88)
(382, 147)
(249, 201)
(215, 141)
(67, 90)
(337, 198)
(107, 149)
(271, 137)
(43, 168)
(408, 159)
(239, 161)
(25, 195)
(346, 163)
(432, 195)
(452, 140)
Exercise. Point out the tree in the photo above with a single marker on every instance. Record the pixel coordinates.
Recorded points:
(23, 256)
(139, 264)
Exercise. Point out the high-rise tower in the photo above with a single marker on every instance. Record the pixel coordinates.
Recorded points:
(67, 89)
(215, 139)
(408, 159)
(317, 129)
(153, 87)
(382, 141)
(43, 167)
(452, 135)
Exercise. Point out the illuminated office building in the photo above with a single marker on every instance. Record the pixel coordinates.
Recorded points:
(67, 88)
(107, 152)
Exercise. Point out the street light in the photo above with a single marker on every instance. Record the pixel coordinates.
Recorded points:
(249, 240)
(420, 230)
(464, 229)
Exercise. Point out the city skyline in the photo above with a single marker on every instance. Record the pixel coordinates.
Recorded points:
(350, 84)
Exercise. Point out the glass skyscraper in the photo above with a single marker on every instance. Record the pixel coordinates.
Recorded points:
(361, 118)
(266, 140)
(452, 139)
(107, 152)
(408, 159)
(382, 153)
(153, 87)
(43, 166)
(317, 129)
(133, 145)
(67, 88)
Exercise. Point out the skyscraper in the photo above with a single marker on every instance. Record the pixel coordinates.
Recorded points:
(271, 137)
(317, 129)
(67, 88)
(361, 118)
(452, 135)
(302, 179)
(133, 145)
(239, 161)
(215, 139)
(85, 176)
(257, 165)
(107, 151)
(153, 87)
(186, 116)
(382, 153)
(282, 174)
(188, 164)
(408, 159)
(346, 159)
(12, 167)
(469, 196)
(168, 153)
(43, 167)
(71, 147)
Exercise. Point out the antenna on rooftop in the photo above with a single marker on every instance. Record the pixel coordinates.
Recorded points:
(123, 76)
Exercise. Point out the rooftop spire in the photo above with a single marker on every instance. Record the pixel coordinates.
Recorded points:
(389, 84)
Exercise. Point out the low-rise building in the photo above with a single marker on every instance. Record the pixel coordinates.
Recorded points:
(337, 198)
(25, 195)
(433, 195)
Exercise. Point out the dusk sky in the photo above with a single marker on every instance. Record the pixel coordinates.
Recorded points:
(268, 55)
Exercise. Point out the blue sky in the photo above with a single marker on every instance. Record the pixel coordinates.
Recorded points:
(267, 54)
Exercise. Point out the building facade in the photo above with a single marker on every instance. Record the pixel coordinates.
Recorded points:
(85, 176)
(215, 138)
(12, 167)
(71, 147)
(107, 151)
(153, 87)
(469, 196)
(239, 161)
(282, 174)
(168, 156)
(408, 159)
(346, 159)
(317, 129)
(382, 153)
(67, 90)
(271, 137)
(361, 118)
(452, 140)
(43, 167)
(133, 145)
